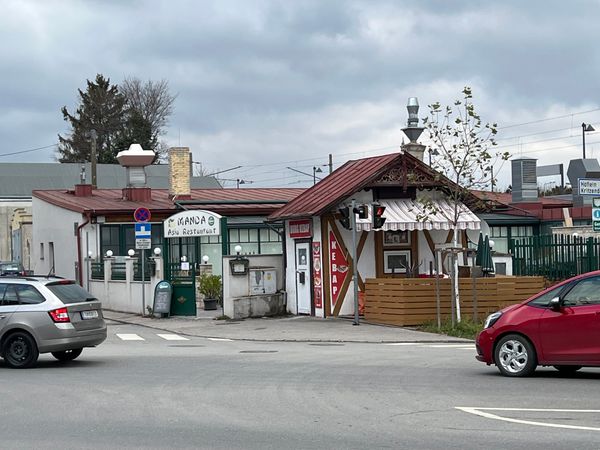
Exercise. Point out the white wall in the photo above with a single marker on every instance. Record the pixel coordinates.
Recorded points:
(239, 285)
(52, 224)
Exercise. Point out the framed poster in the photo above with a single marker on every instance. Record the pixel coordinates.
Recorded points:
(398, 237)
(396, 261)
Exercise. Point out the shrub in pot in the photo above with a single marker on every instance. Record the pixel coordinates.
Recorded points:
(211, 288)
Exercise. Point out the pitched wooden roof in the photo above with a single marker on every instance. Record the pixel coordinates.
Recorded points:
(393, 169)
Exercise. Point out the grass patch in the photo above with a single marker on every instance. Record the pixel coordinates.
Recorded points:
(467, 328)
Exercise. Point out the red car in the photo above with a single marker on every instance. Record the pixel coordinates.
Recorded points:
(558, 327)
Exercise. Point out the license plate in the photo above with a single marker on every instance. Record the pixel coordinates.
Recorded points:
(93, 314)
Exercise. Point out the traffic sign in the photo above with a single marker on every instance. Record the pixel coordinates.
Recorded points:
(142, 214)
(143, 244)
(143, 230)
(596, 214)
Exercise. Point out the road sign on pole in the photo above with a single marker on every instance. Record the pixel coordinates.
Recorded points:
(596, 214)
(142, 215)
(143, 236)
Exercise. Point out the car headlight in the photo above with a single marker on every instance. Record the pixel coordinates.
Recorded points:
(491, 319)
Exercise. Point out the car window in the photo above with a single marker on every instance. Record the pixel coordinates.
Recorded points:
(10, 296)
(585, 292)
(2, 291)
(544, 300)
(28, 295)
(70, 292)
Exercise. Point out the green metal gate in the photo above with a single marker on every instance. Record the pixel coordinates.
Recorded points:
(183, 302)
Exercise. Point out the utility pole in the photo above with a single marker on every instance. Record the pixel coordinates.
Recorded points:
(94, 158)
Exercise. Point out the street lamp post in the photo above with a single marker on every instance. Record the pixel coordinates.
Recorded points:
(585, 127)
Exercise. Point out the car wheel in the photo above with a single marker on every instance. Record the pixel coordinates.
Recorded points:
(515, 356)
(567, 370)
(20, 350)
(67, 355)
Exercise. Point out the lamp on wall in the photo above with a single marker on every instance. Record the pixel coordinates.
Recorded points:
(157, 251)
(238, 249)
(131, 252)
(205, 259)
(109, 253)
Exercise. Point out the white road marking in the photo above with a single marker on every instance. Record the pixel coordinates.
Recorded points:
(220, 339)
(481, 412)
(173, 337)
(130, 337)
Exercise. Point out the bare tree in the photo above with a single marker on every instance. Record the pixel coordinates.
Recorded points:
(463, 143)
(153, 102)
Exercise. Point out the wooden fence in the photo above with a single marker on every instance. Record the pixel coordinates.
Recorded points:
(412, 301)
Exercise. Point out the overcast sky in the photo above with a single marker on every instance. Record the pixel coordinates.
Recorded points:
(270, 84)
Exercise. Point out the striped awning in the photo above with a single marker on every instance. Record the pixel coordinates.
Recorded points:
(406, 214)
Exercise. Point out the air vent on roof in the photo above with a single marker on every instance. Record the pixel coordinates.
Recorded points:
(135, 159)
(524, 180)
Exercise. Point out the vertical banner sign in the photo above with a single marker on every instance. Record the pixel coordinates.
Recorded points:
(338, 265)
(318, 288)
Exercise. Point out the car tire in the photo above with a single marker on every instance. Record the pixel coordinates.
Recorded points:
(67, 355)
(567, 370)
(20, 350)
(515, 356)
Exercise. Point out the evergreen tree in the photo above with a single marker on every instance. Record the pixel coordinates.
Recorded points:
(101, 108)
(136, 130)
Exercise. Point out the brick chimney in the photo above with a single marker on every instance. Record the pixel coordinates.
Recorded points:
(180, 167)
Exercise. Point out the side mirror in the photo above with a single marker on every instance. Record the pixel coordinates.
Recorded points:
(555, 304)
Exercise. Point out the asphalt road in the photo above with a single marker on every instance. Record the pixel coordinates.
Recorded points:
(200, 393)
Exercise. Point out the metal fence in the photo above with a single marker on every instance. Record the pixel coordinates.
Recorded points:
(555, 257)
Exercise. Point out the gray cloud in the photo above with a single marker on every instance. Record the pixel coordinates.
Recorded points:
(282, 81)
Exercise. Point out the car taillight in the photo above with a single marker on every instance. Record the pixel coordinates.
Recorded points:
(60, 315)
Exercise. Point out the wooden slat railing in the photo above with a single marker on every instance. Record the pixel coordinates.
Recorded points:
(412, 301)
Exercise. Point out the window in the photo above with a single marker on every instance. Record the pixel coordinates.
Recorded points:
(70, 293)
(255, 241)
(544, 300)
(586, 292)
(28, 295)
(500, 237)
(10, 295)
(41, 250)
(396, 261)
(109, 239)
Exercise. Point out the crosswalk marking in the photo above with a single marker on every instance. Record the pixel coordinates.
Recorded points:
(129, 337)
(172, 337)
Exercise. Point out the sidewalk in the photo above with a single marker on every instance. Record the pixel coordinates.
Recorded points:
(286, 329)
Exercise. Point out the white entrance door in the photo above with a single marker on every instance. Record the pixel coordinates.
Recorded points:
(303, 297)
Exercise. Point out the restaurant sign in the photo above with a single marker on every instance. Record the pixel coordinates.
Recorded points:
(338, 267)
(300, 229)
(193, 223)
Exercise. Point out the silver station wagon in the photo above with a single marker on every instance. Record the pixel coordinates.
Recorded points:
(47, 315)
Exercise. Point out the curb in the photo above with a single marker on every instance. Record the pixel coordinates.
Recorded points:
(336, 341)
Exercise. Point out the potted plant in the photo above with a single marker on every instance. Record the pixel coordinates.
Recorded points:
(211, 288)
